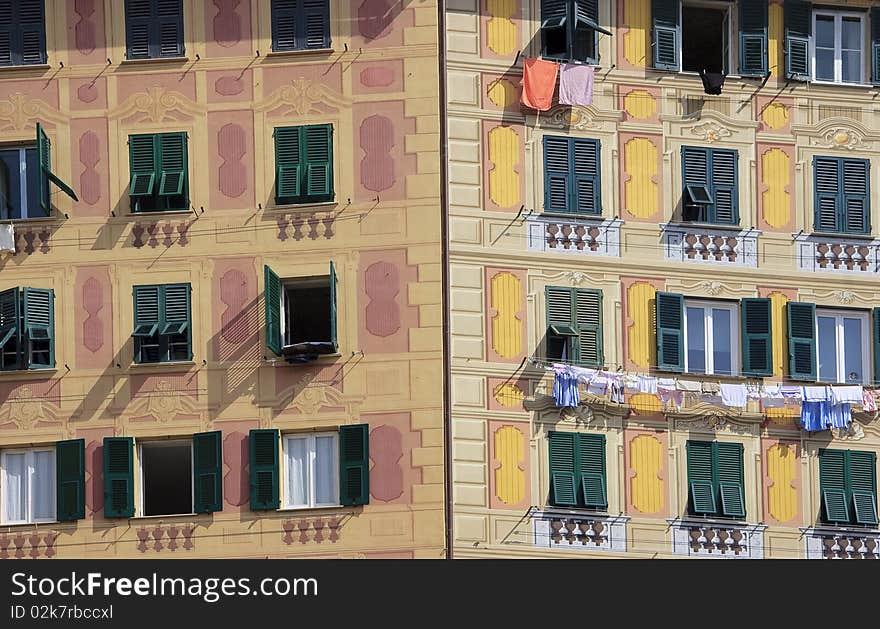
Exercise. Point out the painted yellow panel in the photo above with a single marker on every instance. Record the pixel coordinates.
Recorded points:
(501, 31)
(774, 53)
(776, 176)
(502, 92)
(641, 336)
(782, 496)
(646, 460)
(510, 480)
(782, 416)
(506, 324)
(780, 334)
(775, 115)
(645, 403)
(637, 16)
(508, 394)
(640, 164)
(503, 179)
(640, 104)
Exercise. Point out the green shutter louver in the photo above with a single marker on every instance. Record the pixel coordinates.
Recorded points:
(207, 472)
(288, 164)
(588, 317)
(304, 164)
(10, 327)
(757, 337)
(798, 30)
(666, 41)
(574, 325)
(333, 336)
(753, 37)
(556, 174)
(561, 326)
(832, 485)
(875, 45)
(585, 195)
(710, 184)
(856, 202)
(173, 160)
(118, 477)
(725, 187)
(875, 327)
(47, 177)
(264, 470)
(730, 482)
(146, 311)
(801, 340)
(272, 304)
(70, 480)
(670, 331)
(300, 25)
(354, 465)
(153, 29)
(142, 162)
(572, 176)
(563, 483)
(169, 24)
(162, 323)
(848, 486)
(700, 474)
(841, 195)
(39, 327)
(862, 472)
(319, 160)
(591, 459)
(826, 180)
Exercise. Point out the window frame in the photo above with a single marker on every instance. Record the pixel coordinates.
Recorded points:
(839, 314)
(141, 493)
(291, 282)
(571, 24)
(311, 450)
(24, 178)
(838, 42)
(708, 331)
(732, 31)
(29, 463)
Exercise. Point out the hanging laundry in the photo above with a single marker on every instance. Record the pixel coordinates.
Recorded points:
(733, 395)
(792, 392)
(692, 386)
(576, 84)
(821, 415)
(565, 387)
(839, 416)
(648, 384)
(631, 382)
(598, 386)
(753, 391)
(816, 394)
(869, 402)
(712, 81)
(539, 82)
(772, 396)
(7, 237)
(848, 394)
(617, 392)
(667, 395)
(711, 388)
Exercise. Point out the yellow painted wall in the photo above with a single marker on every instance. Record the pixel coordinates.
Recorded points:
(504, 153)
(640, 166)
(637, 16)
(646, 460)
(781, 470)
(500, 30)
(507, 323)
(510, 482)
(776, 176)
(641, 335)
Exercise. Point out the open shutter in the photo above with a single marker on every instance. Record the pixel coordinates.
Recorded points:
(554, 41)
(724, 187)
(695, 177)
(288, 164)
(272, 303)
(284, 24)
(591, 456)
(875, 45)
(146, 311)
(142, 163)
(31, 31)
(169, 25)
(863, 486)
(70, 480)
(318, 140)
(47, 177)
(563, 484)
(10, 328)
(856, 204)
(832, 485)
(118, 477)
(700, 477)
(556, 174)
(316, 19)
(39, 322)
(172, 160)
(670, 331)
(588, 317)
(798, 29)
(354, 465)
(333, 336)
(729, 467)
(138, 19)
(753, 37)
(264, 482)
(757, 337)
(826, 195)
(586, 190)
(561, 325)
(875, 327)
(801, 340)
(666, 16)
(208, 472)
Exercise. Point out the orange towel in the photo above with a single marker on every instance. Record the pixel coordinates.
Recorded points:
(539, 82)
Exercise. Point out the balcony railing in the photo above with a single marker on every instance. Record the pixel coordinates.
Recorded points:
(715, 538)
(579, 531)
(838, 254)
(841, 543)
(580, 235)
(711, 244)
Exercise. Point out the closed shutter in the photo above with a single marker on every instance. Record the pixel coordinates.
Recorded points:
(39, 325)
(729, 471)
(264, 481)
(757, 337)
(138, 21)
(700, 478)
(7, 33)
(354, 465)
(172, 164)
(70, 480)
(142, 151)
(670, 331)
(146, 311)
(318, 141)
(10, 327)
(863, 486)
(875, 45)
(724, 187)
(801, 340)
(826, 178)
(563, 483)
(875, 327)
(288, 164)
(753, 37)
(333, 336)
(316, 19)
(586, 191)
(169, 26)
(118, 477)
(31, 32)
(666, 16)
(284, 24)
(272, 304)
(832, 485)
(856, 196)
(588, 318)
(591, 457)
(208, 472)
(556, 174)
(798, 29)
(47, 177)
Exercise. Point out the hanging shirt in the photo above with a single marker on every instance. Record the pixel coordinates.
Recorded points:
(733, 395)
(849, 394)
(869, 402)
(7, 238)
(689, 385)
(648, 384)
(539, 82)
(576, 84)
(565, 388)
(712, 81)
(816, 394)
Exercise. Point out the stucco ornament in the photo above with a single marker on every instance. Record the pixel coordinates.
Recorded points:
(710, 132)
(309, 396)
(853, 432)
(841, 137)
(165, 402)
(845, 296)
(24, 408)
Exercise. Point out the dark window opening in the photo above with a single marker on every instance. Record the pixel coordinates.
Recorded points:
(159, 204)
(696, 204)
(705, 40)
(307, 307)
(555, 39)
(167, 478)
(20, 184)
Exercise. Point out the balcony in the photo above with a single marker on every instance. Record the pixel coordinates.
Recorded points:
(578, 235)
(559, 528)
(717, 538)
(710, 244)
(816, 253)
(841, 543)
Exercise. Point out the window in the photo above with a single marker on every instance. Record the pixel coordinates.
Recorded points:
(321, 470)
(705, 37)
(715, 479)
(27, 328)
(166, 477)
(304, 164)
(577, 470)
(709, 181)
(711, 343)
(838, 47)
(154, 28)
(569, 30)
(300, 25)
(571, 176)
(28, 482)
(301, 315)
(159, 172)
(22, 33)
(162, 323)
(842, 197)
(847, 487)
(574, 325)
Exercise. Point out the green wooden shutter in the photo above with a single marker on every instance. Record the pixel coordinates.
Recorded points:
(354, 465)
(168, 26)
(588, 317)
(284, 23)
(826, 194)
(316, 24)
(39, 323)
(875, 327)
(730, 482)
(798, 30)
(47, 177)
(318, 141)
(666, 15)
(142, 160)
(10, 321)
(176, 313)
(696, 179)
(753, 37)
(561, 326)
(31, 32)
(670, 331)
(586, 191)
(333, 335)
(138, 21)
(208, 472)
(556, 175)
(801, 340)
(757, 337)
(832, 485)
(563, 483)
(118, 477)
(591, 459)
(272, 304)
(863, 486)
(875, 45)
(701, 482)
(172, 164)
(288, 164)
(7, 33)
(264, 481)
(146, 311)
(70, 480)
(724, 187)
(856, 201)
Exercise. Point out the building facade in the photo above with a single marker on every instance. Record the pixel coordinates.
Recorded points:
(221, 279)
(660, 231)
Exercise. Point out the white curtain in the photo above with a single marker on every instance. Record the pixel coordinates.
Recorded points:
(297, 472)
(43, 486)
(325, 470)
(15, 488)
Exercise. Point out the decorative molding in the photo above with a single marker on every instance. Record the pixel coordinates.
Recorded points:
(838, 255)
(710, 132)
(853, 432)
(21, 112)
(301, 98)
(839, 132)
(573, 530)
(309, 396)
(155, 105)
(578, 118)
(829, 542)
(717, 538)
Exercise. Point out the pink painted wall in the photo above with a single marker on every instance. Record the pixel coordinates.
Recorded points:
(380, 130)
(392, 441)
(86, 32)
(230, 86)
(231, 164)
(93, 320)
(236, 463)
(379, 23)
(377, 78)
(227, 28)
(88, 94)
(94, 438)
(384, 317)
(238, 313)
(90, 166)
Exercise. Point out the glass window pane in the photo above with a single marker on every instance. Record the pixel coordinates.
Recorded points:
(15, 488)
(297, 472)
(827, 338)
(722, 355)
(851, 33)
(824, 64)
(326, 491)
(32, 162)
(43, 486)
(10, 184)
(852, 66)
(696, 340)
(824, 31)
(852, 350)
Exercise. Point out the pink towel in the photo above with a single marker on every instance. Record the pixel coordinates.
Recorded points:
(539, 82)
(576, 84)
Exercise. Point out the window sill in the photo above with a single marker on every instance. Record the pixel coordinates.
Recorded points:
(29, 373)
(833, 84)
(819, 234)
(153, 60)
(166, 516)
(307, 509)
(578, 215)
(160, 213)
(275, 54)
(35, 66)
(303, 207)
(9, 524)
(36, 220)
(172, 364)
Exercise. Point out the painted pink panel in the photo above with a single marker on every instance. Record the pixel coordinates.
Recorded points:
(228, 28)
(26, 90)
(85, 32)
(93, 308)
(381, 160)
(237, 317)
(226, 86)
(236, 461)
(292, 382)
(377, 165)
(379, 23)
(131, 83)
(90, 166)
(94, 438)
(231, 155)
(392, 441)
(88, 94)
(298, 76)
(377, 78)
(30, 403)
(384, 317)
(142, 386)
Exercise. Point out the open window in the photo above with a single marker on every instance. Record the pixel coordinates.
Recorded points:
(162, 323)
(569, 30)
(166, 477)
(705, 36)
(301, 315)
(27, 329)
(710, 186)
